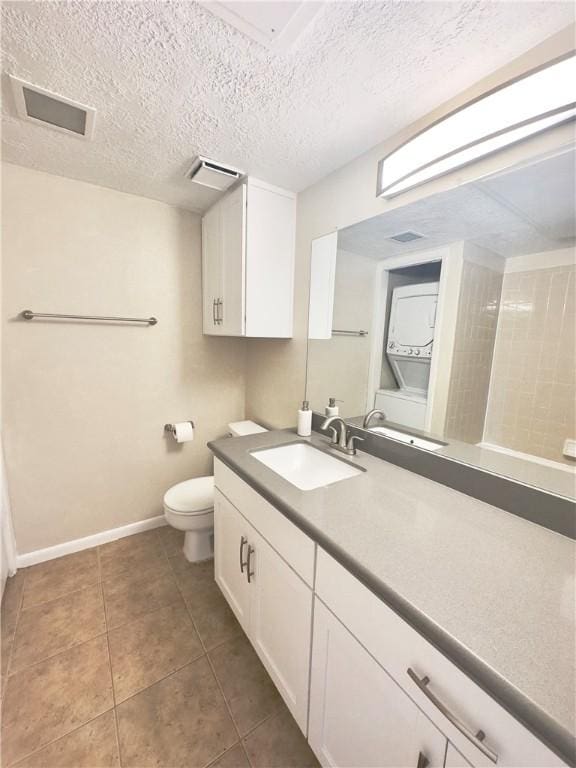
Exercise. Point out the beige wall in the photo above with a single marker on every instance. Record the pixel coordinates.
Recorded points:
(473, 350)
(338, 367)
(85, 404)
(277, 370)
(533, 392)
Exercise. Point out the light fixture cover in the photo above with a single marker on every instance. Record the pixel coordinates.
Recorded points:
(514, 111)
(51, 110)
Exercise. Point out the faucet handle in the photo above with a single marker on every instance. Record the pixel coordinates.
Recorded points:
(350, 444)
(334, 432)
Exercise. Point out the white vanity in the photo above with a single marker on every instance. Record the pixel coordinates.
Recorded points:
(364, 686)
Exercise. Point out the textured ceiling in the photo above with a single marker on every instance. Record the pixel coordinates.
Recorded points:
(526, 210)
(170, 80)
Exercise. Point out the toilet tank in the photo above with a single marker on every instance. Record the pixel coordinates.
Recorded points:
(241, 428)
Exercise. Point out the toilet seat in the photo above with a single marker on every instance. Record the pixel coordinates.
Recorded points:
(191, 497)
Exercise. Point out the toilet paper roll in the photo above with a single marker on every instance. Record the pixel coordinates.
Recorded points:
(183, 432)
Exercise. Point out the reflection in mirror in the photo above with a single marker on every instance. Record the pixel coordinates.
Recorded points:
(455, 316)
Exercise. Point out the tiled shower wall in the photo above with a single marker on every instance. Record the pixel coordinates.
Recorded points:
(476, 331)
(533, 394)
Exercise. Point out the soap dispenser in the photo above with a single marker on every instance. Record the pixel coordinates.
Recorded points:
(331, 409)
(305, 420)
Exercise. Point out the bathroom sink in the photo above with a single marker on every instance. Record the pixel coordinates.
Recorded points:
(419, 442)
(304, 466)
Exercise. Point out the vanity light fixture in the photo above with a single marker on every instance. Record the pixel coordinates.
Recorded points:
(520, 108)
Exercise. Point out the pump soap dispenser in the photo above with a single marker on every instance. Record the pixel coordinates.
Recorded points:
(305, 420)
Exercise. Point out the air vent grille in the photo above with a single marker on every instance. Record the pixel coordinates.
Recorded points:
(211, 174)
(406, 237)
(39, 106)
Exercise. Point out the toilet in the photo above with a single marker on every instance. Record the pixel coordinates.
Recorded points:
(189, 506)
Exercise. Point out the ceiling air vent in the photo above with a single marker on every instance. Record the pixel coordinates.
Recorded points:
(406, 237)
(43, 107)
(213, 175)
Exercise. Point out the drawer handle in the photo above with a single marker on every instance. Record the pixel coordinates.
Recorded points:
(243, 542)
(423, 761)
(249, 572)
(476, 738)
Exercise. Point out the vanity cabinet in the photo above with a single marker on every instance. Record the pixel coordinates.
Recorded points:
(366, 688)
(272, 603)
(476, 725)
(358, 715)
(248, 262)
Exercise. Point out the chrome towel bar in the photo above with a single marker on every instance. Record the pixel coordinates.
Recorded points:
(337, 332)
(27, 314)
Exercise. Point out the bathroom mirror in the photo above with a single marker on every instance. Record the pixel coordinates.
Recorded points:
(456, 316)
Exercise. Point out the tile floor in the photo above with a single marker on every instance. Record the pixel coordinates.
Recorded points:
(128, 655)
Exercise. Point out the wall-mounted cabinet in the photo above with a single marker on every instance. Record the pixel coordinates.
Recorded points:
(248, 262)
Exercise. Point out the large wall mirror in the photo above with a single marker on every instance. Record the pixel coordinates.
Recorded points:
(456, 316)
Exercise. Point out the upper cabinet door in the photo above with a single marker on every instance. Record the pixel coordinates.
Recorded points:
(322, 283)
(270, 261)
(358, 715)
(211, 271)
(248, 262)
(233, 254)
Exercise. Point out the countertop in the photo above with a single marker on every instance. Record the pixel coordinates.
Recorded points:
(494, 592)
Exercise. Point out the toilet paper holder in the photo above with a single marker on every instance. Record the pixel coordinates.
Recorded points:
(171, 430)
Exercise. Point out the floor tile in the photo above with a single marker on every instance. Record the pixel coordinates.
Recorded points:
(49, 628)
(130, 595)
(131, 554)
(234, 758)
(150, 648)
(215, 621)
(180, 721)
(248, 689)
(55, 578)
(172, 540)
(52, 698)
(279, 743)
(93, 745)
(196, 581)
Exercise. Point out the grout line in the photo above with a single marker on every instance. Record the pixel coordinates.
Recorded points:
(58, 653)
(217, 759)
(116, 728)
(58, 738)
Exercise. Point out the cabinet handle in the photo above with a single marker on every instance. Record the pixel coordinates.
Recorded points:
(243, 542)
(214, 311)
(476, 738)
(249, 573)
(220, 312)
(423, 761)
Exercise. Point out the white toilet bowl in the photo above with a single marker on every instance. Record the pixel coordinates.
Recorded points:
(189, 506)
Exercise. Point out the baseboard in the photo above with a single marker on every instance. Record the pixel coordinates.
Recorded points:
(77, 545)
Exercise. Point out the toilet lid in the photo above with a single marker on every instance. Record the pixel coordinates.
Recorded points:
(194, 495)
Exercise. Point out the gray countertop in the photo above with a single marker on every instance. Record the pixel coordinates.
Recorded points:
(494, 592)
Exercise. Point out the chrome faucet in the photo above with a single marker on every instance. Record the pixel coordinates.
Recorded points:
(370, 414)
(342, 440)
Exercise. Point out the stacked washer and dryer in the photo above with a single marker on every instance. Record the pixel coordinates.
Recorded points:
(409, 352)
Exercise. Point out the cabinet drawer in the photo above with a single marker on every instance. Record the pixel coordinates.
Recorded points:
(295, 547)
(398, 647)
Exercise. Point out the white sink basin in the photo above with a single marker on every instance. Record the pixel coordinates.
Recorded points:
(419, 442)
(305, 466)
